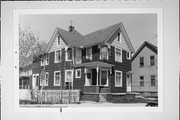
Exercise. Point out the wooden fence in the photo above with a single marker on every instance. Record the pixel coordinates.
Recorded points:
(56, 96)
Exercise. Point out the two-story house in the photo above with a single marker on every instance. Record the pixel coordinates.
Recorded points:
(144, 69)
(94, 63)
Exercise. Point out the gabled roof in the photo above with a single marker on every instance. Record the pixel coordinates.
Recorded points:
(145, 44)
(75, 39)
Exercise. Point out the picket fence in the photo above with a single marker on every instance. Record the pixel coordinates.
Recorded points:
(56, 96)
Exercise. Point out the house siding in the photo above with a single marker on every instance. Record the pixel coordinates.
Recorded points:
(123, 66)
(145, 71)
(52, 67)
(78, 83)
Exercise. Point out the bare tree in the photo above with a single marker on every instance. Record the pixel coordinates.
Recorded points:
(29, 46)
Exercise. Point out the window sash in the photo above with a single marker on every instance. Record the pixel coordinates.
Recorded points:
(141, 61)
(141, 81)
(69, 54)
(152, 60)
(118, 78)
(58, 56)
(57, 78)
(118, 54)
(69, 76)
(78, 71)
(153, 78)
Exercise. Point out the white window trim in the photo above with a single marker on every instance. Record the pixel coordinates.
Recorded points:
(58, 39)
(121, 78)
(128, 57)
(154, 60)
(67, 57)
(140, 80)
(107, 84)
(76, 73)
(54, 78)
(116, 56)
(47, 63)
(107, 57)
(90, 54)
(45, 80)
(55, 56)
(66, 74)
(140, 62)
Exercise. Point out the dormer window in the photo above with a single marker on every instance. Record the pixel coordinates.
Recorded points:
(58, 39)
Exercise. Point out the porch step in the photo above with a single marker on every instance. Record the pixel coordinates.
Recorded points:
(102, 98)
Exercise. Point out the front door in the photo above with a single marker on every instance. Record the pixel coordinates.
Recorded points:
(35, 81)
(128, 82)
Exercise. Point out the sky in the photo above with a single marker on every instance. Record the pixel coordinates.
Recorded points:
(140, 27)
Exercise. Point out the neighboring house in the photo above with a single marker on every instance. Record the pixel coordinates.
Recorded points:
(25, 77)
(94, 63)
(144, 69)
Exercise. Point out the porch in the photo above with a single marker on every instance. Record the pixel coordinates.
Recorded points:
(97, 77)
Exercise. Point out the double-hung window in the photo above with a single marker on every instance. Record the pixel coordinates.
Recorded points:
(57, 56)
(57, 78)
(141, 81)
(78, 73)
(153, 80)
(47, 59)
(118, 54)
(69, 54)
(118, 78)
(44, 82)
(128, 55)
(68, 78)
(152, 60)
(89, 53)
(141, 61)
(104, 53)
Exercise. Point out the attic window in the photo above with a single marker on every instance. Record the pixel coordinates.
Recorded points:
(119, 36)
(58, 40)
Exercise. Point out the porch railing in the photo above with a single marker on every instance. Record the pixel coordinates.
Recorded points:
(103, 56)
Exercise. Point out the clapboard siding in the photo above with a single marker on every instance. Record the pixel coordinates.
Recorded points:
(79, 82)
(52, 67)
(123, 66)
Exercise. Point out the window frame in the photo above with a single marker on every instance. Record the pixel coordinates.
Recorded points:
(66, 75)
(151, 60)
(58, 40)
(141, 81)
(116, 55)
(46, 83)
(118, 71)
(128, 57)
(59, 78)
(55, 61)
(107, 53)
(90, 56)
(140, 62)
(154, 80)
(67, 55)
(77, 74)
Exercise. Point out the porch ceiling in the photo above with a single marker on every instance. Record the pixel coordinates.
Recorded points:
(94, 65)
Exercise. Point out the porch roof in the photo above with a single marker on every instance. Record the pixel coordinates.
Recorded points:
(94, 64)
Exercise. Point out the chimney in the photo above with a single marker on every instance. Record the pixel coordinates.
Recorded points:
(71, 28)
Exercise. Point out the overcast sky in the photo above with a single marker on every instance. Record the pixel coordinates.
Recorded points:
(140, 27)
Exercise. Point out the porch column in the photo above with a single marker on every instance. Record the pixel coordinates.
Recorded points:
(97, 70)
